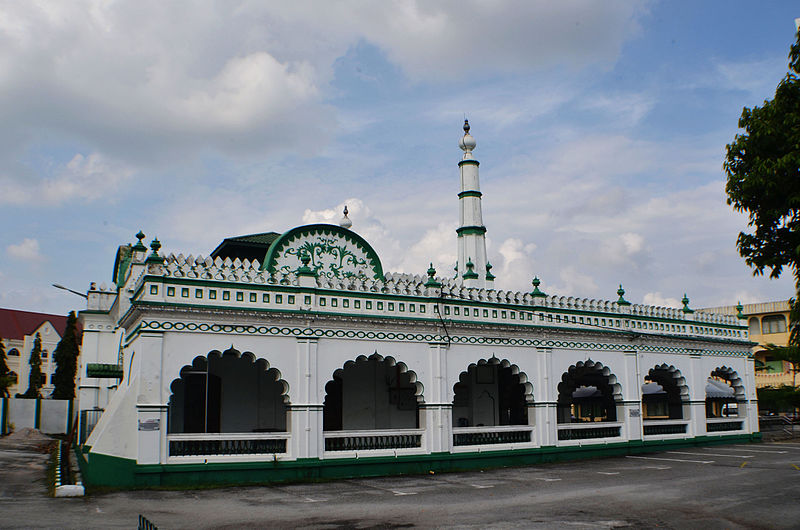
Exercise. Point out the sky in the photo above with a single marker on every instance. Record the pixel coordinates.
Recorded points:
(601, 130)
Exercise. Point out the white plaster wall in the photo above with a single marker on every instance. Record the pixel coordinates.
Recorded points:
(116, 432)
(21, 412)
(54, 416)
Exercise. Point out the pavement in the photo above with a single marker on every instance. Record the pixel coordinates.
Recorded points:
(730, 486)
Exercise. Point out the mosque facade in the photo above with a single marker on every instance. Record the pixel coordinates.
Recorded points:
(294, 355)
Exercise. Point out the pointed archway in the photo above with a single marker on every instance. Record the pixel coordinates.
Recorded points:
(491, 392)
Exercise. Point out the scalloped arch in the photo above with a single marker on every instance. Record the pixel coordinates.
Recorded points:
(730, 375)
(320, 231)
(463, 377)
(588, 367)
(391, 361)
(201, 363)
(676, 376)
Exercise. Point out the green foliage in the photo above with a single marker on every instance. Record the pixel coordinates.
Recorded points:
(66, 357)
(35, 376)
(5, 373)
(789, 354)
(763, 169)
(776, 400)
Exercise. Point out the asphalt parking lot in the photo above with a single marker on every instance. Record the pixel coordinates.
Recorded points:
(731, 486)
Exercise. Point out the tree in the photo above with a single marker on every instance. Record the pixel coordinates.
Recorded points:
(788, 354)
(763, 169)
(5, 373)
(35, 376)
(66, 357)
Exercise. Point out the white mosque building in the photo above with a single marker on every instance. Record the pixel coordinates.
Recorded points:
(296, 356)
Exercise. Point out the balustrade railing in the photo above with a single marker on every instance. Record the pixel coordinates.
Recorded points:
(505, 434)
(724, 425)
(227, 444)
(588, 431)
(661, 427)
(373, 440)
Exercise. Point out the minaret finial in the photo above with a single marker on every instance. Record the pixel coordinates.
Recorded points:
(467, 142)
(345, 222)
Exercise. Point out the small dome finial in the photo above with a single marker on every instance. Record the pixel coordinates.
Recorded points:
(467, 142)
(345, 222)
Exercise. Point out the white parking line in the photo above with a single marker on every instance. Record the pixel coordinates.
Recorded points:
(708, 454)
(547, 479)
(671, 459)
(608, 472)
(752, 450)
(480, 486)
(403, 492)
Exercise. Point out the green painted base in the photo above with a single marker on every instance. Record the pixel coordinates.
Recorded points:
(103, 471)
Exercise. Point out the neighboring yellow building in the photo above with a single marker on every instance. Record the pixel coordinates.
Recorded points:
(768, 323)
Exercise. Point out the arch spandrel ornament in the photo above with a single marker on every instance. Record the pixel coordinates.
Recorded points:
(334, 252)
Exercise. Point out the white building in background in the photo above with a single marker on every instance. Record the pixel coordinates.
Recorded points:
(294, 355)
(18, 330)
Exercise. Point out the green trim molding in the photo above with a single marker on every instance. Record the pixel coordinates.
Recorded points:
(469, 161)
(467, 230)
(110, 371)
(470, 193)
(103, 471)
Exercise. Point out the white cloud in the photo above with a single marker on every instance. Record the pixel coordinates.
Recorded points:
(86, 178)
(27, 250)
(658, 299)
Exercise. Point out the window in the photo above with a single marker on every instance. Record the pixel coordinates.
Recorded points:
(457, 310)
(185, 292)
(357, 304)
(13, 353)
(421, 308)
(44, 354)
(380, 307)
(226, 295)
(170, 291)
(253, 297)
(322, 301)
(369, 304)
(278, 298)
(412, 308)
(773, 324)
(198, 293)
(240, 297)
(391, 306)
(345, 302)
(334, 302)
(154, 289)
(265, 298)
(291, 299)
(212, 294)
(306, 300)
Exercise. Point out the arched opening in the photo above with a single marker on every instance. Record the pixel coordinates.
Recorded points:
(372, 393)
(491, 392)
(228, 392)
(724, 390)
(753, 326)
(663, 394)
(588, 392)
(13, 352)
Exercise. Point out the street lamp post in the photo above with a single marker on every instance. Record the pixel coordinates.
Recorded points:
(58, 286)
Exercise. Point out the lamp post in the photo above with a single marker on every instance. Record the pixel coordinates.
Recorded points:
(58, 286)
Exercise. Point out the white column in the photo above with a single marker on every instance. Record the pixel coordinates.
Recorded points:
(151, 401)
(545, 399)
(697, 391)
(305, 413)
(437, 411)
(632, 398)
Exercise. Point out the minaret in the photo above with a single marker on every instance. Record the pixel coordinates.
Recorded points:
(472, 260)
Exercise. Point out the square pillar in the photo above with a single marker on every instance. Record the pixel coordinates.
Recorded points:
(151, 431)
(545, 404)
(305, 413)
(436, 414)
(632, 426)
(697, 391)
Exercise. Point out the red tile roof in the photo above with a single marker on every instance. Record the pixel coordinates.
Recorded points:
(15, 324)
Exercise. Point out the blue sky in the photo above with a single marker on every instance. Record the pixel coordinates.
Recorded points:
(601, 131)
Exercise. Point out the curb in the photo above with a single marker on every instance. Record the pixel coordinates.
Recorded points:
(67, 490)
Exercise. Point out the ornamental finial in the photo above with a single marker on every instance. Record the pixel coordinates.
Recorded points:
(345, 222)
(467, 142)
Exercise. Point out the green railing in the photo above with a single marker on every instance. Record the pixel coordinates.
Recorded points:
(226, 447)
(666, 428)
(724, 426)
(492, 437)
(366, 441)
(588, 433)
